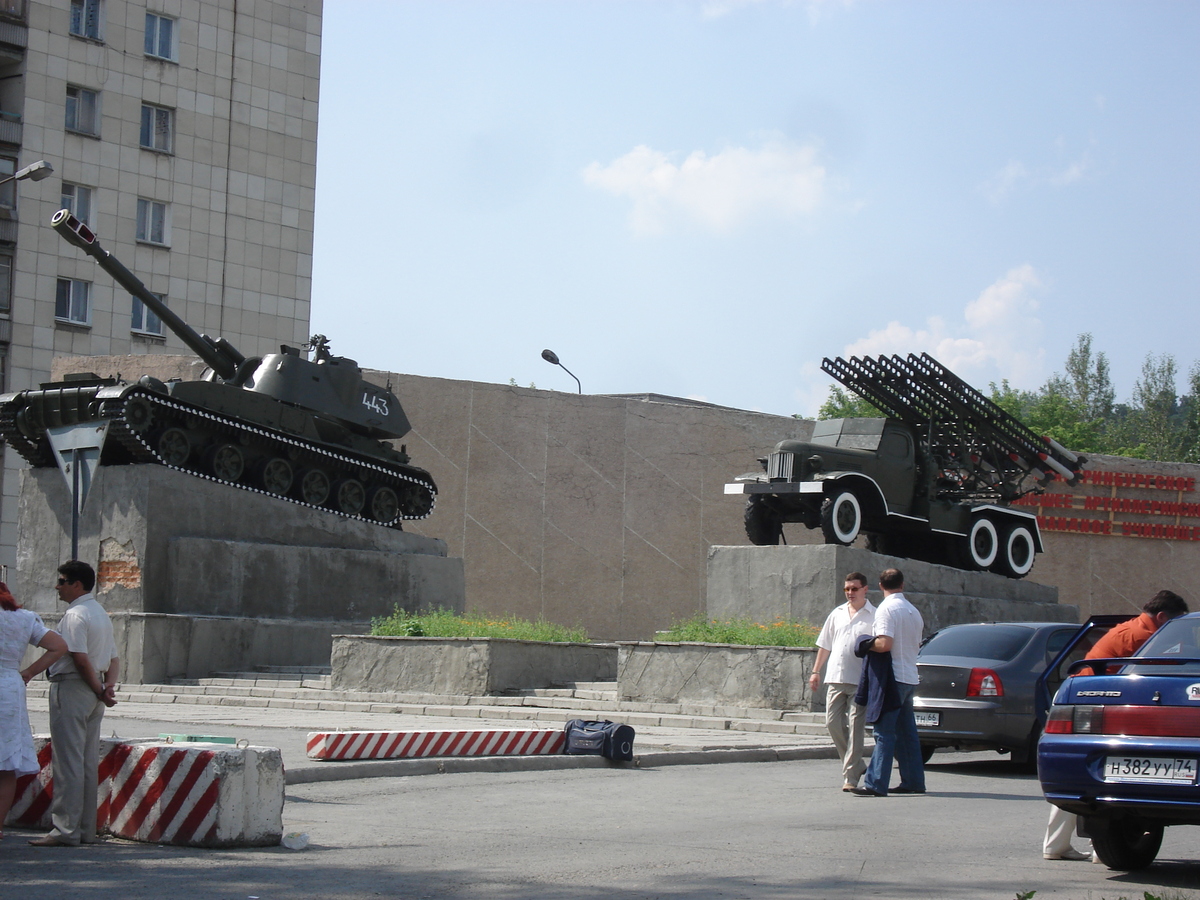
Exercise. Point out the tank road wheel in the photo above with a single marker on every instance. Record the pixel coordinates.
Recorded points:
(174, 447)
(1125, 842)
(764, 526)
(350, 496)
(841, 518)
(276, 476)
(383, 504)
(227, 462)
(1016, 554)
(138, 414)
(314, 487)
(983, 544)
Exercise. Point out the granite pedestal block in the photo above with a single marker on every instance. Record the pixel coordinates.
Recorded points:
(201, 577)
(804, 583)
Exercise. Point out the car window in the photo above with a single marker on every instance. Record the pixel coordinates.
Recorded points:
(995, 642)
(1179, 638)
(1057, 641)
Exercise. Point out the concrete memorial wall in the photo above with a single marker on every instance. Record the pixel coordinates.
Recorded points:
(600, 511)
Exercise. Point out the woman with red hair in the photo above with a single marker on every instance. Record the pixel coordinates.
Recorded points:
(19, 627)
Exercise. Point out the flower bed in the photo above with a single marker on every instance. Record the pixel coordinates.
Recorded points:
(464, 666)
(715, 674)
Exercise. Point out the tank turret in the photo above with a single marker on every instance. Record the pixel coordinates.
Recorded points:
(310, 430)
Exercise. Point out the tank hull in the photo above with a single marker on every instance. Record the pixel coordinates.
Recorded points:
(224, 433)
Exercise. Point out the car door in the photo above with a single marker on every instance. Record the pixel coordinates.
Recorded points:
(1075, 649)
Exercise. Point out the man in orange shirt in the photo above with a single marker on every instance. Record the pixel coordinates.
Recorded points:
(1121, 641)
(1127, 638)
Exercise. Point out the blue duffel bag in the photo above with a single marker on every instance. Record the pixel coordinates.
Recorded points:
(612, 740)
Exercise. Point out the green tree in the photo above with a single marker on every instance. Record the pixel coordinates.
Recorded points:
(844, 404)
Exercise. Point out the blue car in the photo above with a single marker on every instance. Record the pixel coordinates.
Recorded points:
(1121, 748)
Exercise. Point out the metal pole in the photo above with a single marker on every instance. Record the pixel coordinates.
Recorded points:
(74, 504)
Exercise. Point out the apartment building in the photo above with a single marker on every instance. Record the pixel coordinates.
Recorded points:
(184, 133)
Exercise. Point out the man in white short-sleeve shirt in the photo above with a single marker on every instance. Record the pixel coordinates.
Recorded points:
(835, 646)
(898, 629)
(82, 684)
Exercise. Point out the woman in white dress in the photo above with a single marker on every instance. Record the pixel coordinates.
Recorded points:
(19, 627)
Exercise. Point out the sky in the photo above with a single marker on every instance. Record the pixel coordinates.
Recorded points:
(704, 199)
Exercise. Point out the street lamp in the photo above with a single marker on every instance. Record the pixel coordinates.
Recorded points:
(34, 172)
(551, 357)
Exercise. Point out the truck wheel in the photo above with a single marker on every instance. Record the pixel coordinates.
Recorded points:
(1017, 551)
(983, 544)
(764, 526)
(1125, 842)
(841, 518)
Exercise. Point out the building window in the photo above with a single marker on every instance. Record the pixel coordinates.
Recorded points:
(160, 36)
(6, 273)
(85, 18)
(73, 302)
(156, 128)
(152, 224)
(8, 190)
(83, 111)
(78, 200)
(146, 320)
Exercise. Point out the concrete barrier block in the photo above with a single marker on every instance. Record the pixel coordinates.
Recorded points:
(191, 794)
(339, 745)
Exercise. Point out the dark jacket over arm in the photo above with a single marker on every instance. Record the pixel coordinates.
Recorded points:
(877, 684)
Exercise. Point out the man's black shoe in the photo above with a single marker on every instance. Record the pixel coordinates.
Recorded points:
(866, 792)
(905, 790)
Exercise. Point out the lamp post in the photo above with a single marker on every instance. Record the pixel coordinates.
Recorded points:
(551, 357)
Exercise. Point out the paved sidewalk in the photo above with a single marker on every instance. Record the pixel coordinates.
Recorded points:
(288, 729)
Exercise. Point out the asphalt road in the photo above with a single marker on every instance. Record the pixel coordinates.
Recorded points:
(764, 830)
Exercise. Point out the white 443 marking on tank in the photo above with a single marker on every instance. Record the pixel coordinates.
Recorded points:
(375, 404)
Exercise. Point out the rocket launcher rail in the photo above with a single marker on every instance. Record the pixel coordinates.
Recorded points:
(982, 449)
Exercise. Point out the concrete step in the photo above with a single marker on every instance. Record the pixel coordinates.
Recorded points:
(551, 705)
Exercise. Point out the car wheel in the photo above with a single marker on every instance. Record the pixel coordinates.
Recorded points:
(841, 518)
(983, 543)
(927, 752)
(1016, 554)
(764, 526)
(1125, 842)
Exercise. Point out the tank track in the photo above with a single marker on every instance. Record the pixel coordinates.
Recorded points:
(37, 453)
(302, 454)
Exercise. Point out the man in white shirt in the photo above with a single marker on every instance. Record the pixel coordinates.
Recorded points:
(835, 645)
(898, 629)
(82, 684)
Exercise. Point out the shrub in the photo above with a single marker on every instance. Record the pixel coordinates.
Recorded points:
(780, 633)
(444, 623)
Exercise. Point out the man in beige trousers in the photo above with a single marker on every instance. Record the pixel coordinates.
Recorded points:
(82, 684)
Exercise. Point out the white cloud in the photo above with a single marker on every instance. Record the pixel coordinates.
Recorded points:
(999, 335)
(1014, 174)
(719, 192)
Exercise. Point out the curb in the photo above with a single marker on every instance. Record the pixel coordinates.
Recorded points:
(336, 770)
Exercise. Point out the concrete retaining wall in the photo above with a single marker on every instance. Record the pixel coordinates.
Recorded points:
(465, 666)
(717, 674)
(805, 583)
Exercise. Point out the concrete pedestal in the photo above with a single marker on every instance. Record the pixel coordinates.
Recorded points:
(200, 577)
(805, 583)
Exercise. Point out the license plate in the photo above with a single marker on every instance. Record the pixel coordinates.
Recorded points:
(929, 719)
(1150, 769)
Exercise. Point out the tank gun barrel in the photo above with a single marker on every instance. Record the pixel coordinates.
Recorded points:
(220, 355)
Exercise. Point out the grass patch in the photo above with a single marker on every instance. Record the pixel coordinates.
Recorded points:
(780, 633)
(444, 623)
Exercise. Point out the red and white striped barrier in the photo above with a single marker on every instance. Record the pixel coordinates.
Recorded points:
(31, 802)
(418, 744)
(197, 795)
